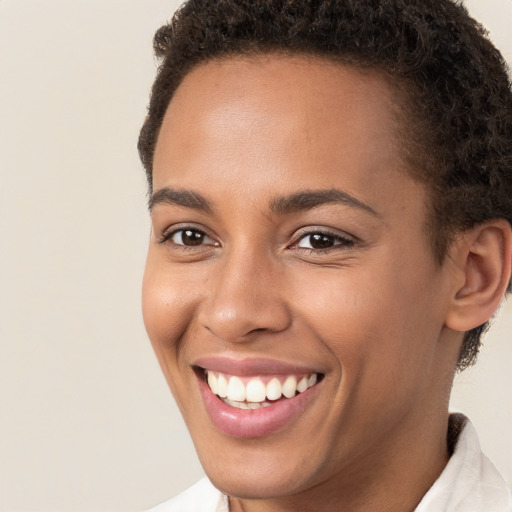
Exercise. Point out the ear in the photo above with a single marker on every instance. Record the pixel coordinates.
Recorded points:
(483, 261)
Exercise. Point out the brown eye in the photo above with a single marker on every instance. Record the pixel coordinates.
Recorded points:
(321, 241)
(190, 237)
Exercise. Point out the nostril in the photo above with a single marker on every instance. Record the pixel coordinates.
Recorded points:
(242, 328)
(259, 329)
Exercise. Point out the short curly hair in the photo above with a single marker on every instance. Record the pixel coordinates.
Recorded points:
(453, 82)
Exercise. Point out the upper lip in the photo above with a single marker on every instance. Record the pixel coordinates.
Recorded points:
(252, 366)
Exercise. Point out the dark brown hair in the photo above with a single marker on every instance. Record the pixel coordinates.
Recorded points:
(453, 82)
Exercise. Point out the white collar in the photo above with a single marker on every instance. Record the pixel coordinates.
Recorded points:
(469, 482)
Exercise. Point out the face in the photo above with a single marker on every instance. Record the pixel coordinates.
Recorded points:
(290, 293)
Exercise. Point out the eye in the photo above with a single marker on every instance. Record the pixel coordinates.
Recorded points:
(319, 241)
(189, 237)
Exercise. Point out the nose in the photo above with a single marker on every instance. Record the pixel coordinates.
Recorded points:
(246, 296)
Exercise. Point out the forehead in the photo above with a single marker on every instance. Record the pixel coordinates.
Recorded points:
(312, 89)
(305, 105)
(307, 81)
(274, 124)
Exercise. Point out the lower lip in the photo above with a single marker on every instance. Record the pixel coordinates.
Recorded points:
(252, 423)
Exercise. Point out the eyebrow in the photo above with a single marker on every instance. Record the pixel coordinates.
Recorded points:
(299, 201)
(185, 198)
(308, 199)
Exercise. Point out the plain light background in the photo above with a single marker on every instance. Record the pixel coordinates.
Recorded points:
(86, 420)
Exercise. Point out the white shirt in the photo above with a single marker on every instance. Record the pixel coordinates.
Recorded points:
(468, 483)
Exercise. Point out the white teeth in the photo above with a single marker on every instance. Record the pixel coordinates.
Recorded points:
(245, 405)
(212, 382)
(236, 389)
(290, 387)
(237, 404)
(253, 393)
(274, 389)
(222, 386)
(302, 385)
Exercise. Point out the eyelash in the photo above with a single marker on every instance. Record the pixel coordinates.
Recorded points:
(340, 242)
(168, 235)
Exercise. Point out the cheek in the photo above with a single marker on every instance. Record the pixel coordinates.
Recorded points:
(379, 315)
(168, 303)
(380, 333)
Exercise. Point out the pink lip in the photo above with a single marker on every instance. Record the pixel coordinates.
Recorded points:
(252, 366)
(253, 423)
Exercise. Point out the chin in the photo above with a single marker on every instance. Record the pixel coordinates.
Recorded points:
(260, 472)
(258, 485)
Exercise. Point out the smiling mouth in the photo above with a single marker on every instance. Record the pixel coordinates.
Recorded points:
(260, 391)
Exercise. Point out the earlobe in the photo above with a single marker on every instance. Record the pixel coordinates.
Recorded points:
(483, 259)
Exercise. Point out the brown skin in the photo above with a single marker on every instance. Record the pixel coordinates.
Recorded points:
(377, 315)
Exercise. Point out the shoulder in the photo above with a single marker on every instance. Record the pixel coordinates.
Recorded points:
(201, 497)
(469, 482)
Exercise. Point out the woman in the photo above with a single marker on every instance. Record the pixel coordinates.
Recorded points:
(331, 200)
